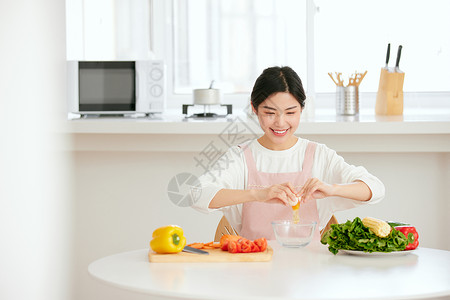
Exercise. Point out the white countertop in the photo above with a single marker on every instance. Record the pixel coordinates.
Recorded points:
(308, 273)
(417, 130)
(413, 121)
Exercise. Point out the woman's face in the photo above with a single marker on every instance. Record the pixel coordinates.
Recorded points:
(279, 116)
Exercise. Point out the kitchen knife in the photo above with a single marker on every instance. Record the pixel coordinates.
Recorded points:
(194, 250)
(397, 63)
(388, 54)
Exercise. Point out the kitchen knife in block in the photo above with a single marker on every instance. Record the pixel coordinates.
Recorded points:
(390, 93)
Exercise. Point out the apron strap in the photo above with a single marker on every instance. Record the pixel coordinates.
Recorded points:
(309, 158)
(249, 160)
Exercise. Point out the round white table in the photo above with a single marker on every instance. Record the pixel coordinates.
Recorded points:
(308, 273)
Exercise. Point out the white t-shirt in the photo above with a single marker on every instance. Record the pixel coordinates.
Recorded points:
(231, 173)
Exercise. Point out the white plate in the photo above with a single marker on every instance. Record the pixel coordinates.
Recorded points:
(362, 253)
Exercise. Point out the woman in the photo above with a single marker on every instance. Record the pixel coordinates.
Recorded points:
(268, 175)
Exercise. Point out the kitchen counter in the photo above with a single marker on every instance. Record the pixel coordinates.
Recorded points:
(426, 130)
(431, 121)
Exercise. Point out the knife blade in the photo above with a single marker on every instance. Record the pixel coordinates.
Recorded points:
(194, 250)
(388, 54)
(397, 63)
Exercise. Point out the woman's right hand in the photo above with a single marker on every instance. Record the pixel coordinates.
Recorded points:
(277, 193)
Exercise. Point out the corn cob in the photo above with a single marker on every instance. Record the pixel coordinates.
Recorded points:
(379, 227)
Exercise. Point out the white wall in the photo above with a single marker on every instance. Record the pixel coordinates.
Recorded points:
(35, 222)
(121, 197)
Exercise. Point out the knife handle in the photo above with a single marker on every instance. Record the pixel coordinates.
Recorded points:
(399, 53)
(388, 54)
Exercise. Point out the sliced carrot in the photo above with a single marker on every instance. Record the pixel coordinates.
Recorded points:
(196, 245)
(210, 245)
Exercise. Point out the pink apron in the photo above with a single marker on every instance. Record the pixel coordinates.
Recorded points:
(257, 216)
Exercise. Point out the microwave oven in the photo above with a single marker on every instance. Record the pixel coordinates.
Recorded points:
(116, 87)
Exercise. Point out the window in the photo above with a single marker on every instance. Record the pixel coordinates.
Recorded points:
(353, 35)
(232, 41)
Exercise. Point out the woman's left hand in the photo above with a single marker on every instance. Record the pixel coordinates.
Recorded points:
(315, 189)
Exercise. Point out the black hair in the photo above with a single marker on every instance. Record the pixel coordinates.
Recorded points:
(275, 80)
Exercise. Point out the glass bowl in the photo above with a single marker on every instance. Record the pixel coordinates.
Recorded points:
(293, 235)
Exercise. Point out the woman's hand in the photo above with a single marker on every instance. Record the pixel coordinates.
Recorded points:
(284, 193)
(315, 189)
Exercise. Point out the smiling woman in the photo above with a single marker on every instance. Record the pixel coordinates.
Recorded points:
(268, 175)
(278, 117)
(277, 99)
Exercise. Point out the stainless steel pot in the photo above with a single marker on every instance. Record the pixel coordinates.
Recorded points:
(207, 96)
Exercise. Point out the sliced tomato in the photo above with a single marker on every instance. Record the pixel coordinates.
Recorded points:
(255, 247)
(226, 238)
(262, 244)
(234, 247)
(224, 246)
(246, 246)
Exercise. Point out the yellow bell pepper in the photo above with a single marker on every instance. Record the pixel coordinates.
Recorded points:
(168, 239)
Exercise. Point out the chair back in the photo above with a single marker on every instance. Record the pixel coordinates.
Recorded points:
(332, 220)
(223, 228)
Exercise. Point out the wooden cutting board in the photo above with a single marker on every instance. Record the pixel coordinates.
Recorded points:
(215, 255)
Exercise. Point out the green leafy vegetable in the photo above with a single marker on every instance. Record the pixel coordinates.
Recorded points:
(353, 235)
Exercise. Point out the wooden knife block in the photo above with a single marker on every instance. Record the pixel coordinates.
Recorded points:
(390, 93)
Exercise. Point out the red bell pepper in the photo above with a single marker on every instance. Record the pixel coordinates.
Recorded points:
(406, 230)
